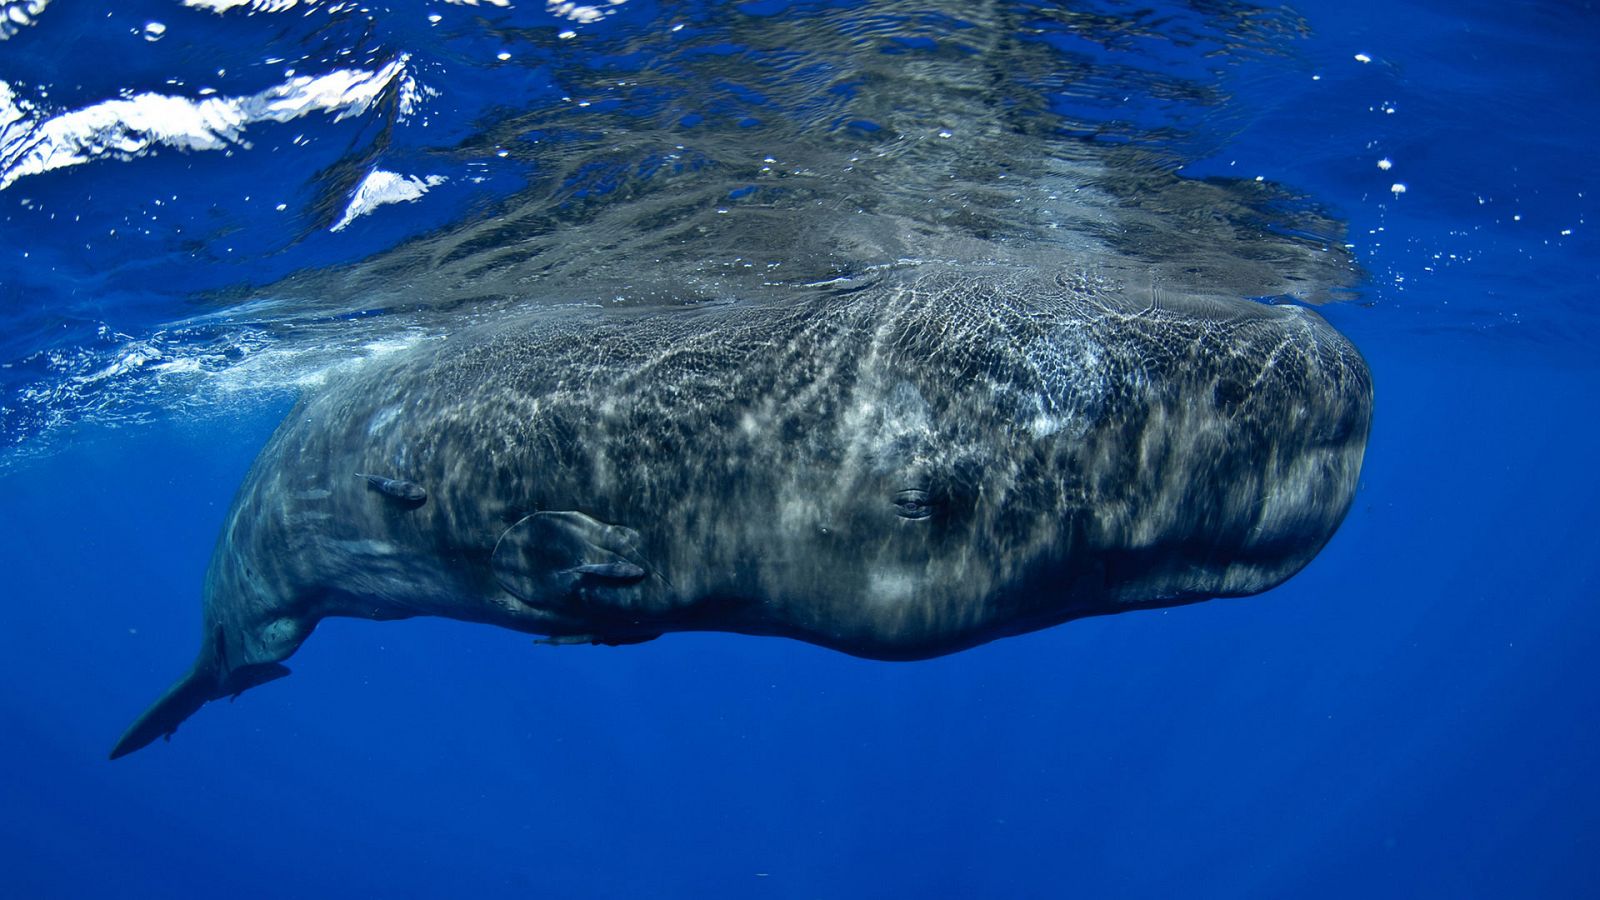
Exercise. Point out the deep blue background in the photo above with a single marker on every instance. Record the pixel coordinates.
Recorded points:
(1417, 714)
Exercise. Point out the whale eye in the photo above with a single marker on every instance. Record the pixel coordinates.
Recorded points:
(913, 503)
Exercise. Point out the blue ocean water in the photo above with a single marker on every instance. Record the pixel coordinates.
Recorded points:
(1415, 714)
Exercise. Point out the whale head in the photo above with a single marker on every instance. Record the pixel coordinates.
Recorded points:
(1011, 466)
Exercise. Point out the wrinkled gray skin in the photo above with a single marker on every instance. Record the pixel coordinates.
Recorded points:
(901, 471)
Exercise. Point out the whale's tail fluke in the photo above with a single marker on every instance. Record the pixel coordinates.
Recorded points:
(163, 717)
(208, 679)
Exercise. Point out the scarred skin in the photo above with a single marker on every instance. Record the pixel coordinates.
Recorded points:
(897, 470)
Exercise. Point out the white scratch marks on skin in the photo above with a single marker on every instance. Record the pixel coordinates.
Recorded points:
(892, 585)
(381, 420)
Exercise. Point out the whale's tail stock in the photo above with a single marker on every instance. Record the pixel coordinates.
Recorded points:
(210, 678)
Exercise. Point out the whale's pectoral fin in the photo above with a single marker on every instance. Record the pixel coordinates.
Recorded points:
(554, 559)
(247, 677)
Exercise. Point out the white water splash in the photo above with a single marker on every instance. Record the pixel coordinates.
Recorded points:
(582, 13)
(381, 187)
(277, 6)
(258, 6)
(16, 15)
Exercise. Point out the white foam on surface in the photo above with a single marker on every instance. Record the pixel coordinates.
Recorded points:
(199, 369)
(33, 142)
